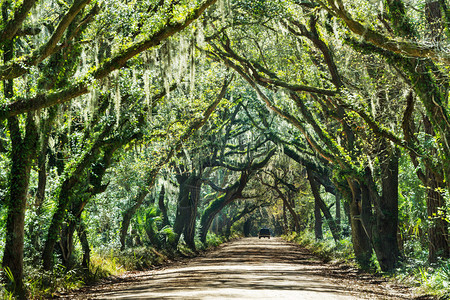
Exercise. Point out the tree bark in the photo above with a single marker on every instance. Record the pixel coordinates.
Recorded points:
(216, 205)
(65, 193)
(162, 207)
(387, 216)
(360, 239)
(188, 198)
(285, 221)
(82, 235)
(23, 151)
(129, 213)
(317, 221)
(384, 223)
(22, 155)
(151, 176)
(338, 209)
(438, 228)
(288, 205)
(323, 206)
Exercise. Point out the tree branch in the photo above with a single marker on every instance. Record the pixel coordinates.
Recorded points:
(13, 26)
(17, 68)
(21, 105)
(405, 48)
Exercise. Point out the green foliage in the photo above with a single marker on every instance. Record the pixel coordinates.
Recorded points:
(40, 284)
(213, 240)
(326, 249)
(433, 280)
(168, 234)
(144, 110)
(140, 258)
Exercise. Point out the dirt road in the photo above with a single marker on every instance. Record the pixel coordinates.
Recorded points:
(251, 269)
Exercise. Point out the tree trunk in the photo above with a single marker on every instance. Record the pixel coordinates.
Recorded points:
(65, 194)
(296, 223)
(55, 225)
(387, 213)
(128, 215)
(82, 235)
(285, 221)
(247, 227)
(186, 214)
(162, 207)
(194, 197)
(338, 209)
(383, 226)
(22, 154)
(216, 205)
(438, 227)
(289, 206)
(360, 239)
(228, 225)
(21, 159)
(236, 217)
(66, 242)
(317, 221)
(322, 206)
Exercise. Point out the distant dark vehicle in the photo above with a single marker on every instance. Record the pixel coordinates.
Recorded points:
(264, 232)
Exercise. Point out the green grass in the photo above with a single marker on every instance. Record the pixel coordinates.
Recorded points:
(326, 249)
(429, 279)
(106, 262)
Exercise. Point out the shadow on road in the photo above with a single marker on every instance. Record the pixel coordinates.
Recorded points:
(249, 269)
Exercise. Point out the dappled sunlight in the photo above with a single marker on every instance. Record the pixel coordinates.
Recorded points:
(248, 268)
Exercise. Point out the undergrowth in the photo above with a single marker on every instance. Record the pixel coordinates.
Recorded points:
(430, 279)
(104, 262)
(326, 249)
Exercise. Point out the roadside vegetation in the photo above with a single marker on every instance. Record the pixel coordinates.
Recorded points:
(132, 132)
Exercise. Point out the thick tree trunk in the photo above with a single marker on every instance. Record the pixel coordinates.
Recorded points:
(65, 193)
(387, 213)
(22, 154)
(210, 212)
(188, 197)
(228, 225)
(317, 221)
(55, 227)
(360, 239)
(162, 207)
(72, 223)
(383, 226)
(194, 197)
(66, 243)
(18, 188)
(438, 227)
